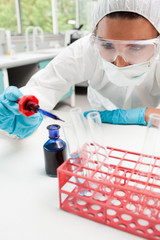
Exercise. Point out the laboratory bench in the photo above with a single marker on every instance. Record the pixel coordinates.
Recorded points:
(19, 67)
(16, 70)
(29, 199)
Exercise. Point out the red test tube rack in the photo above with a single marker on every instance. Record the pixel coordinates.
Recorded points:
(125, 195)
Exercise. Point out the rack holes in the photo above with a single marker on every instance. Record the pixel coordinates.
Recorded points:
(111, 212)
(126, 217)
(143, 222)
(100, 197)
(131, 156)
(156, 190)
(115, 153)
(71, 203)
(76, 209)
(147, 211)
(157, 227)
(89, 193)
(91, 214)
(93, 185)
(157, 237)
(139, 231)
(81, 202)
(140, 186)
(132, 225)
(135, 198)
(120, 193)
(116, 220)
(80, 180)
(107, 189)
(85, 209)
(95, 207)
(69, 187)
(70, 198)
(150, 230)
(103, 198)
(105, 169)
(100, 214)
(116, 202)
(151, 202)
(122, 225)
(131, 207)
(108, 221)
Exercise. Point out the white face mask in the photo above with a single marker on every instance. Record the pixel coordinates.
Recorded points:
(132, 75)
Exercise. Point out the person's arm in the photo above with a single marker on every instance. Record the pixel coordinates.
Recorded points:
(68, 68)
(150, 111)
(131, 116)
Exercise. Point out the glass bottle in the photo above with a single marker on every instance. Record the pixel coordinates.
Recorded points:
(54, 151)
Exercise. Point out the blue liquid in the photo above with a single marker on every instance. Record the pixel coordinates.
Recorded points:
(48, 114)
(54, 151)
(53, 159)
(33, 107)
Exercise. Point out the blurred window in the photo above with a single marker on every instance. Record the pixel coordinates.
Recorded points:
(39, 13)
(8, 18)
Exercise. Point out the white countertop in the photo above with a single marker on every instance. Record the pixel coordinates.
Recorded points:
(25, 58)
(29, 201)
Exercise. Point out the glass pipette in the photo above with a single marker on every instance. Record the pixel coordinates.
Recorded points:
(28, 106)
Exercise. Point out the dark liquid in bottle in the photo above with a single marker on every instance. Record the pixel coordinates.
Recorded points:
(54, 151)
(53, 160)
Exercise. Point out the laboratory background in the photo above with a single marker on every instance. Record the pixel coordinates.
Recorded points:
(72, 202)
(34, 32)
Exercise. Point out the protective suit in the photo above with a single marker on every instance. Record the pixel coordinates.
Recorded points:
(80, 62)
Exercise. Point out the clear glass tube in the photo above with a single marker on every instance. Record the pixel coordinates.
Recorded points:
(152, 146)
(85, 139)
(76, 137)
(95, 128)
(80, 128)
(73, 148)
(147, 175)
(148, 164)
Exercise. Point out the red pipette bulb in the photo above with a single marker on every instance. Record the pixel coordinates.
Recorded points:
(28, 105)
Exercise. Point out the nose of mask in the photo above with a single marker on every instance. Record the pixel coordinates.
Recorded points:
(132, 75)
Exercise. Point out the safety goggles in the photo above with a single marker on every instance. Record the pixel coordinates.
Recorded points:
(133, 52)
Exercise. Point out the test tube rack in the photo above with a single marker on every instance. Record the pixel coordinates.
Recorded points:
(123, 191)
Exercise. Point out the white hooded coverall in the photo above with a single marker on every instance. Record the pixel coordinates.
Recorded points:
(79, 62)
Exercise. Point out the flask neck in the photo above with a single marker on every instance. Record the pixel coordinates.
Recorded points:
(53, 131)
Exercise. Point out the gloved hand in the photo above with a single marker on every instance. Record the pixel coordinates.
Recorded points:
(119, 116)
(11, 120)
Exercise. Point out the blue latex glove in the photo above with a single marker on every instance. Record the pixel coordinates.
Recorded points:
(119, 116)
(11, 120)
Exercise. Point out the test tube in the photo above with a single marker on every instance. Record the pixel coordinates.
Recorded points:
(95, 127)
(75, 131)
(148, 167)
(85, 141)
(152, 143)
(76, 140)
(73, 151)
(79, 124)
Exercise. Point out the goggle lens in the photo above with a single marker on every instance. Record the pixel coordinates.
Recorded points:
(133, 52)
